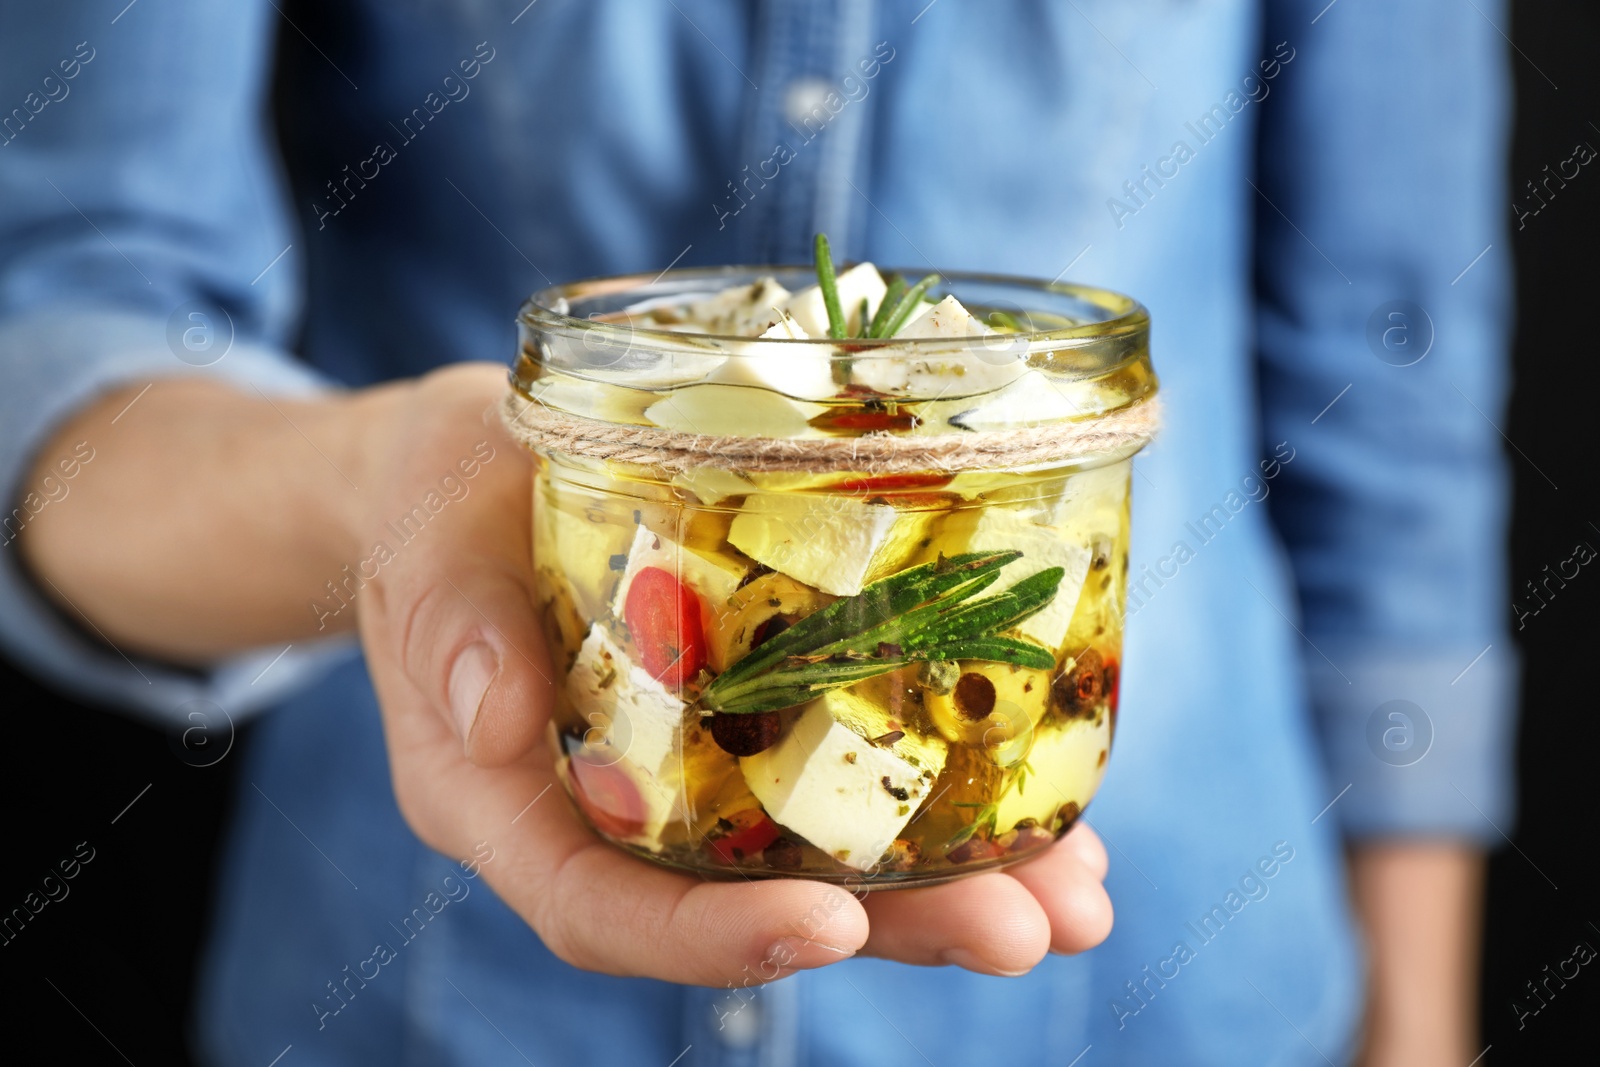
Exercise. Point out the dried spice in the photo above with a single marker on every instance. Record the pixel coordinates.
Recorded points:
(938, 676)
(974, 849)
(1025, 838)
(784, 854)
(974, 697)
(903, 855)
(1079, 691)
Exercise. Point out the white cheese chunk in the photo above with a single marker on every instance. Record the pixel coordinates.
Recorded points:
(712, 578)
(965, 370)
(803, 371)
(860, 281)
(628, 711)
(711, 485)
(832, 786)
(1088, 504)
(995, 529)
(716, 410)
(583, 552)
(835, 543)
(742, 311)
(1034, 399)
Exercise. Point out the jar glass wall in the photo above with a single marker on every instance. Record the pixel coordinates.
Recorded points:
(785, 651)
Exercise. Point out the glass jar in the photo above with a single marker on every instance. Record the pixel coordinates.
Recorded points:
(855, 618)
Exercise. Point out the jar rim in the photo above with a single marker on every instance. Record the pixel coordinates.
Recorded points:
(549, 309)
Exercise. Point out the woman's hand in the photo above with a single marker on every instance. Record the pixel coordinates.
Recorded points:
(455, 652)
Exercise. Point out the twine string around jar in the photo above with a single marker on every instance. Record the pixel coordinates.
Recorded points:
(538, 425)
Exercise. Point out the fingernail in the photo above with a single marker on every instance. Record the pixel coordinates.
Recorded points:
(474, 669)
(960, 957)
(800, 954)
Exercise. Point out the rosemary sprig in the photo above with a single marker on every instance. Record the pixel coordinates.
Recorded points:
(894, 311)
(829, 283)
(921, 613)
(891, 300)
(907, 305)
(987, 817)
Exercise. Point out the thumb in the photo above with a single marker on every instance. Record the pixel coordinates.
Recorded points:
(477, 651)
(461, 625)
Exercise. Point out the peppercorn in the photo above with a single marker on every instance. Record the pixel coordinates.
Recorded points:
(1077, 692)
(1024, 838)
(902, 855)
(973, 850)
(783, 854)
(974, 697)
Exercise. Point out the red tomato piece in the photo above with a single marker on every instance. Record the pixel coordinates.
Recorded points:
(866, 421)
(746, 842)
(890, 483)
(608, 796)
(663, 615)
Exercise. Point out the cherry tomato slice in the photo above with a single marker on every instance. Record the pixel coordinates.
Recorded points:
(746, 842)
(866, 421)
(890, 483)
(663, 615)
(607, 794)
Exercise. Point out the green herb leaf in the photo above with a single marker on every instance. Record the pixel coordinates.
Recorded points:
(891, 300)
(829, 283)
(921, 613)
(908, 304)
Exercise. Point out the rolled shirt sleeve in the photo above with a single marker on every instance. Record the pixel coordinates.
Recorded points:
(143, 236)
(1385, 301)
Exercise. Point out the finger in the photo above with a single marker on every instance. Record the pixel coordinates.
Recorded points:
(1070, 893)
(461, 618)
(1084, 843)
(592, 904)
(988, 923)
(604, 910)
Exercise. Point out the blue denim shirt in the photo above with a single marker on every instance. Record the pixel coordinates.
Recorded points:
(1308, 198)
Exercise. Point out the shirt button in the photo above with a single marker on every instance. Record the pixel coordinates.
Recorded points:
(741, 1028)
(805, 98)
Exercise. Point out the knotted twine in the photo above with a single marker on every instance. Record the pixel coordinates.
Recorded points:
(537, 425)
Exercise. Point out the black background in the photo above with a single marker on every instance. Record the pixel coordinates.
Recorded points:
(113, 962)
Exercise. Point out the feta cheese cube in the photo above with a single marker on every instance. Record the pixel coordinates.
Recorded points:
(583, 551)
(743, 311)
(995, 529)
(628, 712)
(834, 543)
(650, 766)
(712, 577)
(712, 485)
(811, 311)
(973, 369)
(800, 371)
(828, 783)
(715, 410)
(1034, 399)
